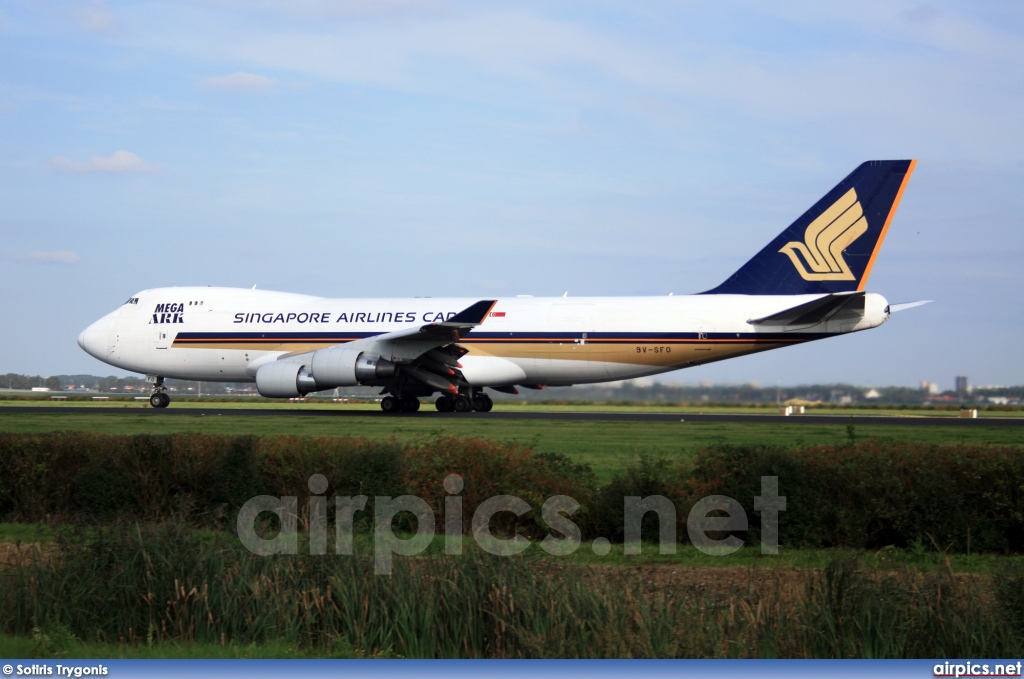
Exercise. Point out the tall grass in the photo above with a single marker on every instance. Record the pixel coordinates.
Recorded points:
(136, 586)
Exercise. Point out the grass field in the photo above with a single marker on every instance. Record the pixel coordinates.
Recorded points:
(908, 586)
(606, 446)
(120, 402)
(686, 555)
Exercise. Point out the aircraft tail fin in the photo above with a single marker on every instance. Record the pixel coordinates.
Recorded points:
(831, 247)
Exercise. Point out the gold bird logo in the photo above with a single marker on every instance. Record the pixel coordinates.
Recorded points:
(826, 238)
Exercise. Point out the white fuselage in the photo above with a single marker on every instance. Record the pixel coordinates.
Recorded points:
(225, 334)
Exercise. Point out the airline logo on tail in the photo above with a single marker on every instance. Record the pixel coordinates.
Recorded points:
(826, 238)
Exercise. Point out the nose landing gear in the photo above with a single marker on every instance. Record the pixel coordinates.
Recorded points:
(159, 397)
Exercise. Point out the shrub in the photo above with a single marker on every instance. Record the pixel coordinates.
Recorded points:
(490, 468)
(101, 491)
(645, 476)
(878, 493)
(867, 494)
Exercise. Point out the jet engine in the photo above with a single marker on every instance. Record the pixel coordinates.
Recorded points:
(284, 380)
(323, 369)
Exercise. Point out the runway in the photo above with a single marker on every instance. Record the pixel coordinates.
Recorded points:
(681, 416)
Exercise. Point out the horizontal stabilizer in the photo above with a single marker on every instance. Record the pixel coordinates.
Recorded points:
(893, 308)
(816, 311)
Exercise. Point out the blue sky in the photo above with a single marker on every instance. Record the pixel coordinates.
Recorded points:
(426, 147)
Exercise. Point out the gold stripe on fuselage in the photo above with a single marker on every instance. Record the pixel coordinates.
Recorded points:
(662, 354)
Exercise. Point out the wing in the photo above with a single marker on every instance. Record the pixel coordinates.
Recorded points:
(414, 360)
(405, 346)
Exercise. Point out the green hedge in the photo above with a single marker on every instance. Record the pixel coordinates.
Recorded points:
(180, 476)
(873, 494)
(867, 495)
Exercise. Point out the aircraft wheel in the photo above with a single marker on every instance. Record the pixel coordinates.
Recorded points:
(443, 404)
(481, 403)
(490, 403)
(462, 404)
(159, 400)
(410, 404)
(389, 404)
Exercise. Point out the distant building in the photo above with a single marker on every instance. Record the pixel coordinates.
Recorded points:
(961, 385)
(841, 397)
(929, 388)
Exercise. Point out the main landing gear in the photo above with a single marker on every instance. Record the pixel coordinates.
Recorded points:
(159, 397)
(462, 403)
(402, 404)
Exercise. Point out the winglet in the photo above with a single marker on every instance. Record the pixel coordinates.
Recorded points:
(473, 314)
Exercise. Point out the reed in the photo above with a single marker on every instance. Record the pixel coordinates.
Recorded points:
(134, 586)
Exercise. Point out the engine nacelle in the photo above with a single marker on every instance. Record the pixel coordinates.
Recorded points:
(373, 368)
(343, 367)
(284, 380)
(335, 367)
(327, 368)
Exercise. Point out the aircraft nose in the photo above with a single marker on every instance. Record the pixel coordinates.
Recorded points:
(93, 339)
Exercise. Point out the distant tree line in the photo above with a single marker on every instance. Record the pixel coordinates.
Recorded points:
(112, 384)
(629, 392)
(752, 393)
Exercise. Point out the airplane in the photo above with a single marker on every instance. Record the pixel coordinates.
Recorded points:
(806, 284)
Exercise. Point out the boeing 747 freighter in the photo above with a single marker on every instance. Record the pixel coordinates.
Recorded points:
(806, 284)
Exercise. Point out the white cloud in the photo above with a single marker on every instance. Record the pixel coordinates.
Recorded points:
(120, 162)
(240, 82)
(65, 257)
(96, 17)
